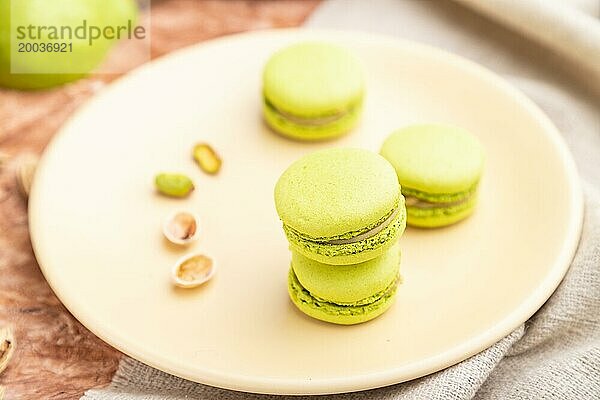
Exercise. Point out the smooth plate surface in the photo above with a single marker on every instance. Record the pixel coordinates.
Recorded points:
(95, 220)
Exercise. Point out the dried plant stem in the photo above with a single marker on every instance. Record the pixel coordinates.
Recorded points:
(7, 347)
(24, 172)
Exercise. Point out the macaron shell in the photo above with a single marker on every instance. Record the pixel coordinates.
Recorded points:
(435, 158)
(335, 192)
(347, 283)
(312, 79)
(298, 131)
(330, 312)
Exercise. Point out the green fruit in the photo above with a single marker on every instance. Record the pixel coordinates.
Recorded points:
(174, 185)
(56, 67)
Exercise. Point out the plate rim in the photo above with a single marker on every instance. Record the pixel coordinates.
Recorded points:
(360, 382)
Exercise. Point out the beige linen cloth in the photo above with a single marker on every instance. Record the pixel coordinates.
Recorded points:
(554, 355)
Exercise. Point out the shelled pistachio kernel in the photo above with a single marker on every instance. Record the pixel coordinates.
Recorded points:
(174, 185)
(206, 157)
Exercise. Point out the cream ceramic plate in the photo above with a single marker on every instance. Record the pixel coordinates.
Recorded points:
(96, 221)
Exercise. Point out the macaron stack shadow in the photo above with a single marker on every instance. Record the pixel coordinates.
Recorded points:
(342, 212)
(439, 168)
(312, 91)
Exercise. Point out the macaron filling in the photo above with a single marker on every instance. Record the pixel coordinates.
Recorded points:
(421, 204)
(384, 222)
(349, 253)
(415, 202)
(301, 294)
(312, 121)
(438, 198)
(370, 233)
(373, 239)
(432, 210)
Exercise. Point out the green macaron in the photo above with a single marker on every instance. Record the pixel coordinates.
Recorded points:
(340, 206)
(344, 294)
(439, 168)
(312, 91)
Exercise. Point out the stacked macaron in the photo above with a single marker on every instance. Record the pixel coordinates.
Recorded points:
(342, 212)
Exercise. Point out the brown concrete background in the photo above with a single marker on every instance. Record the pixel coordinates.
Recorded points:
(56, 357)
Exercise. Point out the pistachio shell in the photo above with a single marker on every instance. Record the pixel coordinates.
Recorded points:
(182, 227)
(207, 158)
(193, 270)
(174, 185)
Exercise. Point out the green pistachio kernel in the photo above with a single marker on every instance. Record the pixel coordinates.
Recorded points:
(174, 185)
(207, 158)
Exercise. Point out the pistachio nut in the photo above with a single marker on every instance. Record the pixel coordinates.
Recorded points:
(207, 158)
(174, 185)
